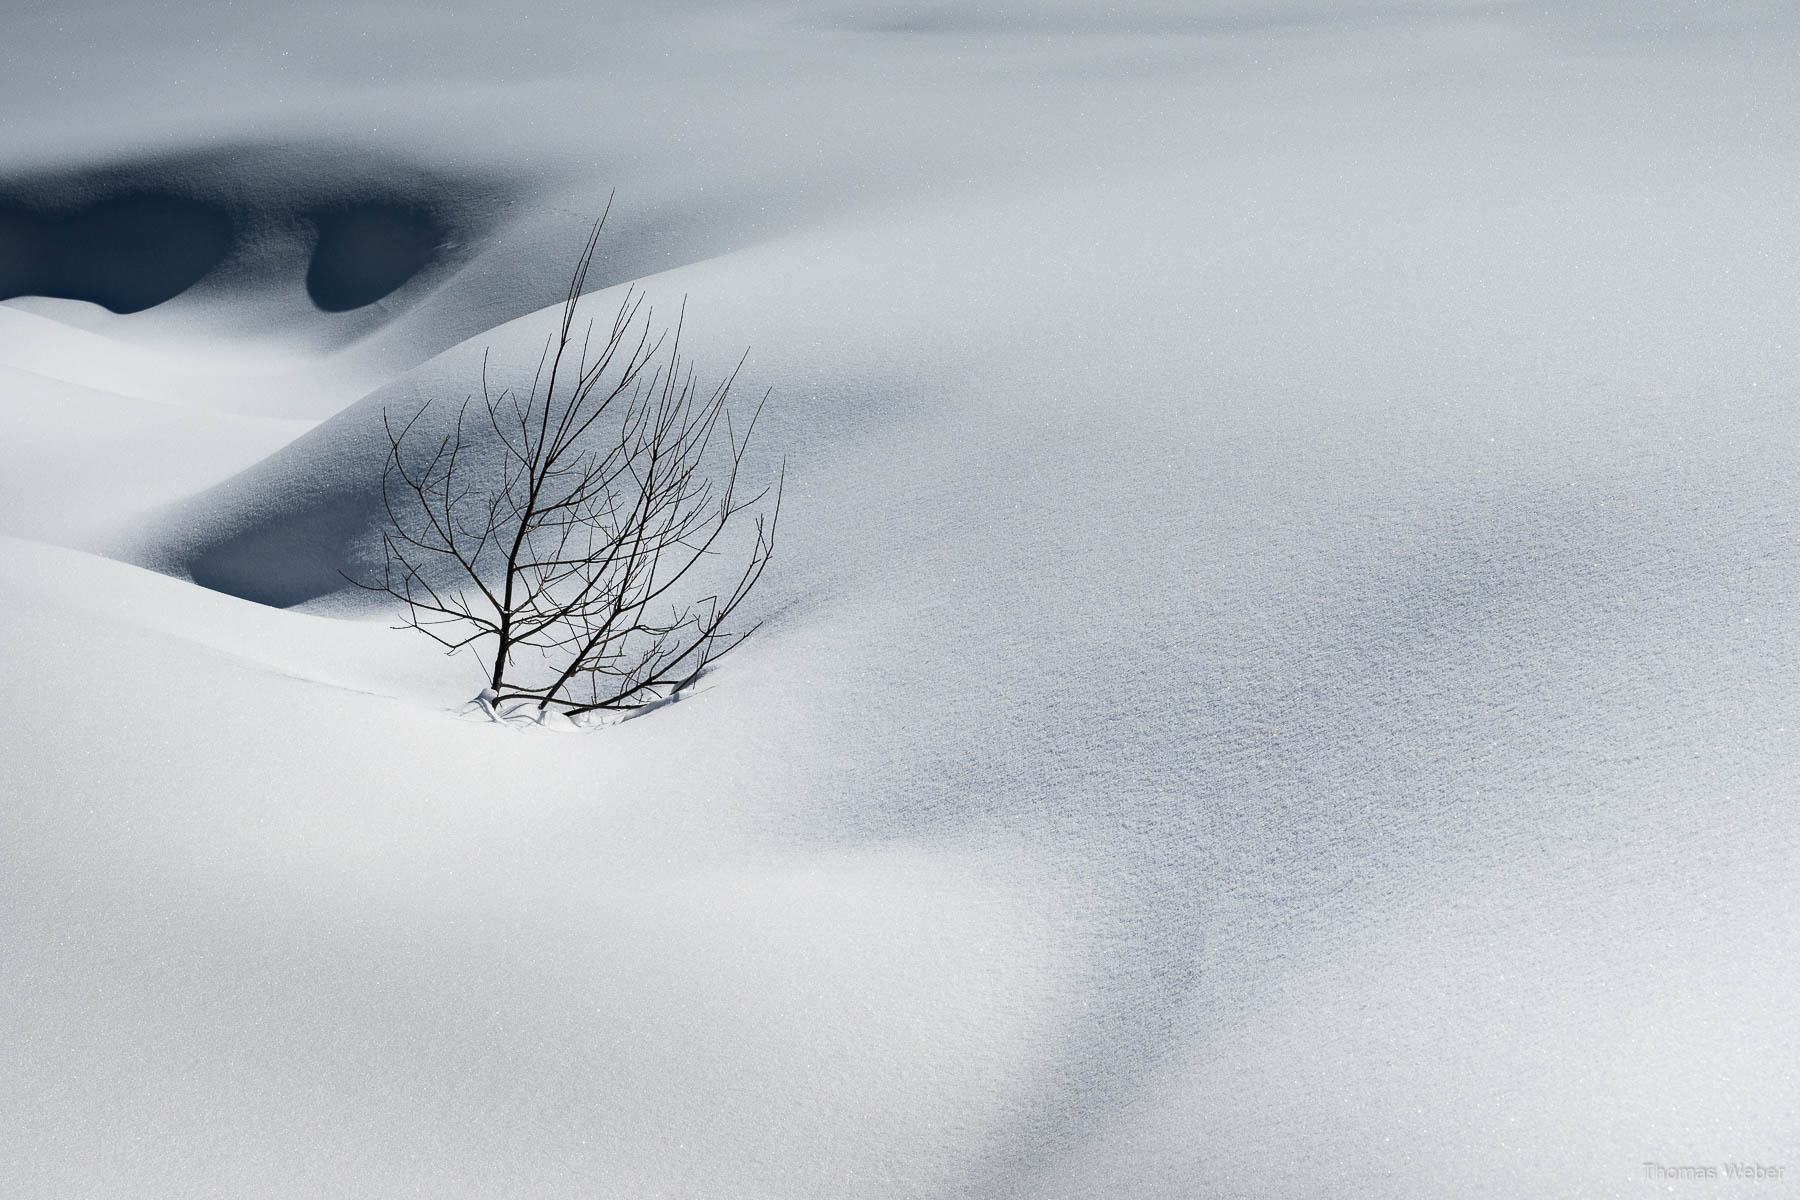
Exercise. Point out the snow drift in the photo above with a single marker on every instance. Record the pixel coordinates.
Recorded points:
(1278, 678)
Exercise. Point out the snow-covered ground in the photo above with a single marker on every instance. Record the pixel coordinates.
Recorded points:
(1279, 677)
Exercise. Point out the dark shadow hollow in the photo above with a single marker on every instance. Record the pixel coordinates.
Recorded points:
(288, 560)
(368, 250)
(129, 252)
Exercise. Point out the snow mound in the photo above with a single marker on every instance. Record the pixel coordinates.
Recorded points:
(1278, 677)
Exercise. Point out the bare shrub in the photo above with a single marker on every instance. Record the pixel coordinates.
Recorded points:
(561, 533)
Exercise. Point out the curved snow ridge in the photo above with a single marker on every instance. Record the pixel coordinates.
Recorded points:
(290, 529)
(356, 656)
(114, 455)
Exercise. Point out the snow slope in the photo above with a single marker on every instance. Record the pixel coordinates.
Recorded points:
(1279, 676)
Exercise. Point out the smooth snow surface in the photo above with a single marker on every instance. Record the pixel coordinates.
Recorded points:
(1280, 675)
